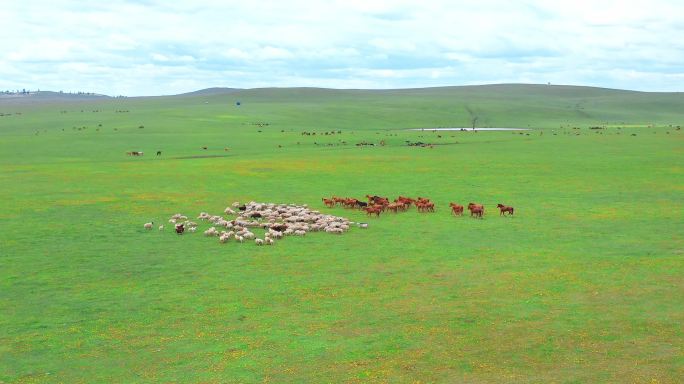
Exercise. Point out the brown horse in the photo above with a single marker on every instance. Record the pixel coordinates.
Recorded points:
(425, 206)
(476, 210)
(456, 209)
(372, 210)
(394, 207)
(328, 202)
(403, 202)
(504, 209)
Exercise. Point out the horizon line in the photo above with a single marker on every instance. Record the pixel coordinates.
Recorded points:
(96, 94)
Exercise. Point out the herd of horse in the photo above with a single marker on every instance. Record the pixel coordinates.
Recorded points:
(378, 204)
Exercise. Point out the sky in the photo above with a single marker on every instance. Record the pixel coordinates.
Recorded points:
(151, 47)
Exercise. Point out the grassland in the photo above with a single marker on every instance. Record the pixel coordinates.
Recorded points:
(583, 285)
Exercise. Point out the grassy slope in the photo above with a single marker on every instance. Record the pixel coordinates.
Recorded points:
(583, 285)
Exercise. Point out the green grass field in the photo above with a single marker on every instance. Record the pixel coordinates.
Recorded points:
(585, 284)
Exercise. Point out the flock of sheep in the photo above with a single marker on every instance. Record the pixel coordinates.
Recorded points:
(278, 220)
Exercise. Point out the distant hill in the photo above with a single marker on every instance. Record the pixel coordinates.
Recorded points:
(495, 105)
(210, 91)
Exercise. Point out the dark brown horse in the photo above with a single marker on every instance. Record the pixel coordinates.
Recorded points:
(504, 208)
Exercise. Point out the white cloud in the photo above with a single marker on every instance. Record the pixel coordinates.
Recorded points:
(159, 47)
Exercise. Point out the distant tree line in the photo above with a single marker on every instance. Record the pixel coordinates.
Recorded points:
(25, 91)
(19, 92)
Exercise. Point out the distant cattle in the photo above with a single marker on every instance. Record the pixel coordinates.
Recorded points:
(135, 153)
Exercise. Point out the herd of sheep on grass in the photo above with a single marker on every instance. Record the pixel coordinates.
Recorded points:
(278, 220)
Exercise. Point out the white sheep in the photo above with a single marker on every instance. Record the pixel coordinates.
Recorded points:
(192, 229)
(149, 225)
(240, 239)
(211, 232)
(299, 232)
(161, 227)
(229, 211)
(258, 242)
(172, 221)
(269, 241)
(249, 235)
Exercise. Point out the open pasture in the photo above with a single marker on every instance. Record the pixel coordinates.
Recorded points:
(583, 284)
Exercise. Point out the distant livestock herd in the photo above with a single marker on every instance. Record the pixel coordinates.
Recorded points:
(277, 220)
(280, 220)
(377, 204)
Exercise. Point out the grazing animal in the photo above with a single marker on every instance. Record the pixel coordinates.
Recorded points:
(372, 210)
(180, 228)
(476, 210)
(158, 153)
(161, 227)
(211, 232)
(425, 206)
(259, 241)
(148, 225)
(279, 227)
(456, 209)
(503, 209)
(328, 202)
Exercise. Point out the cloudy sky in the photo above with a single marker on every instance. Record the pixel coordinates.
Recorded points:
(152, 47)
